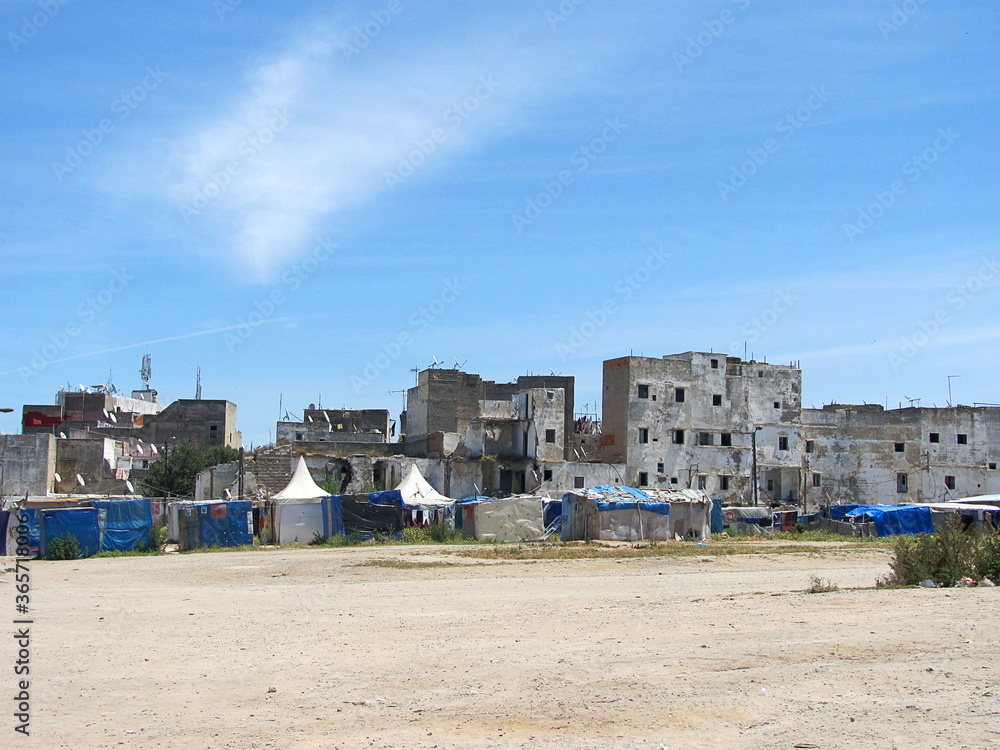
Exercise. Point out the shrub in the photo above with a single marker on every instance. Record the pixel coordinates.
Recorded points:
(65, 547)
(988, 562)
(158, 537)
(818, 585)
(945, 557)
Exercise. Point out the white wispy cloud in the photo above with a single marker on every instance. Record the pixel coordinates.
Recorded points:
(320, 128)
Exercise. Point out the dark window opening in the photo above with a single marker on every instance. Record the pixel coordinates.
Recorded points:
(643, 479)
(935, 437)
(643, 435)
(817, 480)
(679, 395)
(992, 467)
(643, 391)
(770, 485)
(550, 436)
(902, 483)
(578, 483)
(547, 475)
(900, 447)
(963, 439)
(702, 483)
(678, 437)
(726, 439)
(717, 399)
(782, 444)
(659, 468)
(298, 435)
(706, 438)
(673, 480)
(949, 482)
(777, 404)
(715, 364)
(810, 446)
(723, 483)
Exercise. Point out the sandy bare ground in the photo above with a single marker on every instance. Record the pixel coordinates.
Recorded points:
(179, 651)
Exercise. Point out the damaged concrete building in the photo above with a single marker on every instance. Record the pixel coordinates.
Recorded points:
(704, 420)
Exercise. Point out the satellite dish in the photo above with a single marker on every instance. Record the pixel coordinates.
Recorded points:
(326, 416)
(227, 494)
(153, 448)
(58, 477)
(308, 418)
(79, 481)
(62, 435)
(106, 415)
(131, 489)
(113, 418)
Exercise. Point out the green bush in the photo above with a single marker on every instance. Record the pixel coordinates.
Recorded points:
(945, 557)
(988, 561)
(158, 537)
(65, 547)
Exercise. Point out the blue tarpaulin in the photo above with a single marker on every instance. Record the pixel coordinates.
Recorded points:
(615, 490)
(837, 512)
(891, 520)
(226, 524)
(662, 509)
(80, 522)
(386, 497)
(126, 524)
(718, 520)
(333, 515)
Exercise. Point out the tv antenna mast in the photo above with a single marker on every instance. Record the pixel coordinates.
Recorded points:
(147, 371)
(197, 390)
(459, 365)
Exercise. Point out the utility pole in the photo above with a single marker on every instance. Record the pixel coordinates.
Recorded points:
(241, 473)
(755, 483)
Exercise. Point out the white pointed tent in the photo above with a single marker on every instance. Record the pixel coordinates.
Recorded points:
(418, 494)
(299, 508)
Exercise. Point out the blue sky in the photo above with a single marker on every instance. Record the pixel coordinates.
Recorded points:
(310, 202)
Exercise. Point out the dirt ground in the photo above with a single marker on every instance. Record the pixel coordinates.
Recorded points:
(412, 647)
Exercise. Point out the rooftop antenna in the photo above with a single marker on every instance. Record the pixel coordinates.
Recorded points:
(949, 387)
(147, 370)
(436, 364)
(416, 375)
(197, 390)
(912, 401)
(459, 365)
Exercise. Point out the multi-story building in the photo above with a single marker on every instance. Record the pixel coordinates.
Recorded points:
(704, 420)
(867, 454)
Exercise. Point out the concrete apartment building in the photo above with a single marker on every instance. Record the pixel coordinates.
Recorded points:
(338, 426)
(865, 453)
(694, 420)
(699, 420)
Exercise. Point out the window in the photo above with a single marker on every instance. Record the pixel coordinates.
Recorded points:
(782, 444)
(760, 373)
(679, 395)
(715, 364)
(550, 436)
(935, 437)
(706, 438)
(810, 446)
(770, 485)
(899, 447)
(902, 483)
(643, 435)
(643, 479)
(298, 435)
(702, 483)
(723, 483)
(717, 399)
(673, 480)
(643, 390)
(992, 467)
(726, 439)
(817, 480)
(963, 439)
(578, 483)
(547, 475)
(678, 437)
(777, 404)
(659, 468)
(949, 482)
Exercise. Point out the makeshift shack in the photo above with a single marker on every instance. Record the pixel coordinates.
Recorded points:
(82, 523)
(513, 519)
(126, 524)
(223, 524)
(893, 520)
(627, 514)
(301, 513)
(746, 521)
(423, 505)
(363, 517)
